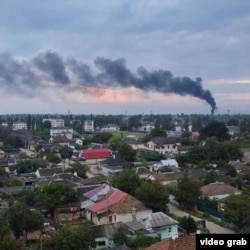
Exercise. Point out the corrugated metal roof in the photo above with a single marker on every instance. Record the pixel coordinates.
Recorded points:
(99, 153)
(111, 198)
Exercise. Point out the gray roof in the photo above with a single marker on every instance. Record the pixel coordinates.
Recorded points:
(158, 219)
(106, 230)
(143, 171)
(114, 161)
(49, 171)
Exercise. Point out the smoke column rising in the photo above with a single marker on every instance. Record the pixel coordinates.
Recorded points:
(49, 67)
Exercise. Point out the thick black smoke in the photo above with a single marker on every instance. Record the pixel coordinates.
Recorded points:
(49, 67)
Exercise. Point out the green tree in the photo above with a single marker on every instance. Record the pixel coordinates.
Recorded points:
(22, 219)
(114, 143)
(72, 239)
(211, 177)
(240, 216)
(13, 182)
(153, 195)
(55, 194)
(127, 152)
(54, 158)
(28, 122)
(187, 193)
(65, 152)
(215, 129)
(6, 242)
(101, 137)
(127, 181)
(14, 141)
(188, 224)
(77, 168)
(27, 166)
(157, 132)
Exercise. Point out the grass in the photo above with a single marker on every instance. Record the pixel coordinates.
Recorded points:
(123, 134)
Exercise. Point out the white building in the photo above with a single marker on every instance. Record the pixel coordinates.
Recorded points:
(19, 126)
(110, 128)
(88, 125)
(64, 131)
(55, 123)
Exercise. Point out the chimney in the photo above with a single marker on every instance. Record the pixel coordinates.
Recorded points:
(134, 214)
(113, 156)
(75, 173)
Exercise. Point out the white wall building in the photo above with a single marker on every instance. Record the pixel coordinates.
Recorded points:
(88, 125)
(19, 126)
(64, 131)
(55, 123)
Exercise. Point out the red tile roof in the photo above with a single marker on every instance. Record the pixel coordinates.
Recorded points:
(217, 188)
(100, 153)
(181, 243)
(113, 197)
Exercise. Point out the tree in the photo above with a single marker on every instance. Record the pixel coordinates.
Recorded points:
(55, 194)
(128, 181)
(54, 158)
(188, 224)
(127, 152)
(6, 242)
(27, 166)
(153, 195)
(237, 210)
(71, 239)
(215, 129)
(188, 192)
(101, 137)
(211, 177)
(77, 168)
(13, 182)
(65, 152)
(22, 219)
(28, 122)
(157, 132)
(114, 143)
(13, 141)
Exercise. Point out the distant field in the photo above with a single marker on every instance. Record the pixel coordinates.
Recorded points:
(123, 134)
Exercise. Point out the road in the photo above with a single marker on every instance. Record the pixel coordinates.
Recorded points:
(212, 227)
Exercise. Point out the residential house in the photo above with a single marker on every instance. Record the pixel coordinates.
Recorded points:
(164, 225)
(172, 177)
(111, 166)
(46, 172)
(67, 212)
(59, 139)
(246, 154)
(143, 172)
(94, 156)
(171, 164)
(237, 165)
(218, 190)
(116, 206)
(104, 235)
(233, 130)
(146, 127)
(187, 242)
(163, 145)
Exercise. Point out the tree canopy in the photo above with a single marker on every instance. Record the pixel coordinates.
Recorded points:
(55, 194)
(21, 218)
(77, 168)
(79, 237)
(153, 195)
(215, 129)
(127, 181)
(188, 192)
(240, 216)
(127, 152)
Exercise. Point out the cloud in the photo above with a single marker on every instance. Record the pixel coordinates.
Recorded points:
(48, 66)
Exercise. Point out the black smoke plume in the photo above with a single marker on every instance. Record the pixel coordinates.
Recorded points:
(48, 68)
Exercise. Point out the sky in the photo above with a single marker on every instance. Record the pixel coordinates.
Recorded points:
(125, 56)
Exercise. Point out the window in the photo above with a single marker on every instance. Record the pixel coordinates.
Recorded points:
(169, 229)
(101, 243)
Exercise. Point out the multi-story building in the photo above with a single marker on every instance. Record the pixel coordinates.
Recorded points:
(88, 125)
(55, 123)
(19, 126)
